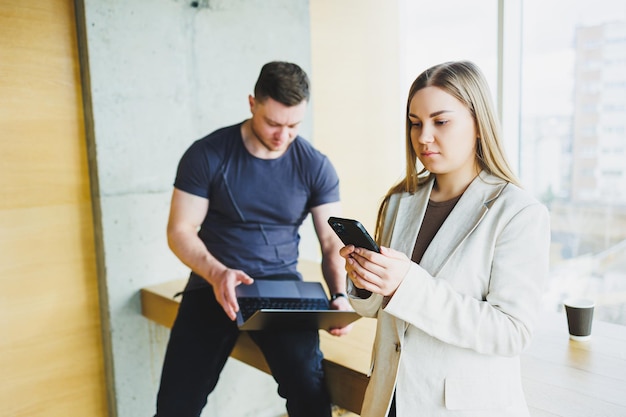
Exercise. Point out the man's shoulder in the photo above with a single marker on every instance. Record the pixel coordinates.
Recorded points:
(218, 143)
(222, 136)
(303, 143)
(302, 148)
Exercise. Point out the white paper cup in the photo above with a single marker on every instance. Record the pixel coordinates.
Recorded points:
(579, 318)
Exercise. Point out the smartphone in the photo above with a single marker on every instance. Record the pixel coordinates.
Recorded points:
(352, 232)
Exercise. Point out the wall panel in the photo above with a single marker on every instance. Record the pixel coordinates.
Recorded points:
(50, 344)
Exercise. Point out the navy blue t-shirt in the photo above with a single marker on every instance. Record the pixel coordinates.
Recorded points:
(256, 206)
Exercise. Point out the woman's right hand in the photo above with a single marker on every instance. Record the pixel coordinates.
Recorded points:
(380, 273)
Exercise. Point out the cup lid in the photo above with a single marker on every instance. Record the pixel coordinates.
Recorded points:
(579, 302)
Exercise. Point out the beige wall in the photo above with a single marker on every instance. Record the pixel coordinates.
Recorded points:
(357, 98)
(51, 361)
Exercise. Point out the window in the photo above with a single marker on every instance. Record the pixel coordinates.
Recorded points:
(559, 77)
(574, 75)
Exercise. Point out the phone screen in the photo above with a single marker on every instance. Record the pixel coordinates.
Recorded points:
(352, 232)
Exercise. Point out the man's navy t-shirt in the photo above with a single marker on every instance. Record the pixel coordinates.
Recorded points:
(256, 206)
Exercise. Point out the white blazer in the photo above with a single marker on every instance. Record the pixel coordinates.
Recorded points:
(449, 339)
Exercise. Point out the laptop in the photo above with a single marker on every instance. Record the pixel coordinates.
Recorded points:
(287, 305)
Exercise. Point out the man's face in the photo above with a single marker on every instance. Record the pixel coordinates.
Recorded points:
(274, 124)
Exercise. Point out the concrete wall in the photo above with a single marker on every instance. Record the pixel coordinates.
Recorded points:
(164, 73)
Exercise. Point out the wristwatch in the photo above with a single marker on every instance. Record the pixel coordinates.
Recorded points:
(337, 295)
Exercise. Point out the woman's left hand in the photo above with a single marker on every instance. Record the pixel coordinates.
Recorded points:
(379, 273)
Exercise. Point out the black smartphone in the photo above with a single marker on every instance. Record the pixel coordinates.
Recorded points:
(352, 232)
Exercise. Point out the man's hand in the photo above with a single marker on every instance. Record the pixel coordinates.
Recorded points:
(341, 303)
(224, 284)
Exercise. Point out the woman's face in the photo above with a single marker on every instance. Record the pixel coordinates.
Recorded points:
(443, 133)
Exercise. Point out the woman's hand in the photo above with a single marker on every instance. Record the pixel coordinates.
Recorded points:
(379, 273)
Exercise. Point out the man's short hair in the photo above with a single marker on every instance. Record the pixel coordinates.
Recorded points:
(284, 82)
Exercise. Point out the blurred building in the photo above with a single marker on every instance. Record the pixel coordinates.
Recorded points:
(599, 146)
(577, 166)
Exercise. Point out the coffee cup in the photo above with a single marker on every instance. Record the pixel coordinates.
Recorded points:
(579, 318)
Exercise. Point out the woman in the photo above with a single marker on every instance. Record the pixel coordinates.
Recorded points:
(458, 282)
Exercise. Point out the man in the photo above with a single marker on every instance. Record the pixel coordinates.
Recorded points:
(240, 196)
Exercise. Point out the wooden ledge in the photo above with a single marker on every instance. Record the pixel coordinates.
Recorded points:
(346, 358)
(561, 378)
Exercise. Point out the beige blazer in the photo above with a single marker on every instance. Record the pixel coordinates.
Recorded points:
(449, 339)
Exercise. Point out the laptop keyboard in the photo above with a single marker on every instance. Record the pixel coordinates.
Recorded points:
(249, 306)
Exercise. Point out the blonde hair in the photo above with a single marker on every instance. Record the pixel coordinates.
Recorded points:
(465, 81)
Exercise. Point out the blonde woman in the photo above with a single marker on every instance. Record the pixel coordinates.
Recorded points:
(458, 283)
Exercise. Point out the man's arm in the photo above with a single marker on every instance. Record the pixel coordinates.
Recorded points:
(333, 265)
(187, 212)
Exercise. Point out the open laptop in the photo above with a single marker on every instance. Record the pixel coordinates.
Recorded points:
(287, 305)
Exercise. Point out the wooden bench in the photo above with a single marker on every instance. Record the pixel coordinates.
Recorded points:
(561, 378)
(346, 358)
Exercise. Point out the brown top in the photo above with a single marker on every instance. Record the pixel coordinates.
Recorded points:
(436, 214)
